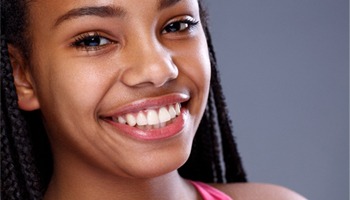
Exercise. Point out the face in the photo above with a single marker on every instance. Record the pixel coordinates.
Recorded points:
(110, 76)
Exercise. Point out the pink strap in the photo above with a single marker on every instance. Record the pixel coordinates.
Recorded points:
(208, 192)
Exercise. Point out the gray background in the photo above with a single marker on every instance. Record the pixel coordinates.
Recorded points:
(285, 71)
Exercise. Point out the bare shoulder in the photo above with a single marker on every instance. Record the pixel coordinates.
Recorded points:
(257, 191)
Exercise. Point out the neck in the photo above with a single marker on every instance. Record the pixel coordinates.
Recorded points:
(79, 183)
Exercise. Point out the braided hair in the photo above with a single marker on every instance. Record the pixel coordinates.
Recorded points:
(26, 160)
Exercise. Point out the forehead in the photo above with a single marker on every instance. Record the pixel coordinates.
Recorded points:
(106, 11)
(58, 11)
(53, 5)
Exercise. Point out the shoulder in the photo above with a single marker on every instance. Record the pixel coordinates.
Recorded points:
(256, 191)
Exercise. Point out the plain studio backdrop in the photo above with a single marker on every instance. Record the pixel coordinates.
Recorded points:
(284, 66)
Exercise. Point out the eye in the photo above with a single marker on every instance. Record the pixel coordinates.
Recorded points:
(91, 41)
(180, 25)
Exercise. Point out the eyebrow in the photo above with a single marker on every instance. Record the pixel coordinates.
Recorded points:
(162, 4)
(100, 11)
(104, 11)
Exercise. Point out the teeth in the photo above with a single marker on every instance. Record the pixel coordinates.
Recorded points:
(177, 108)
(164, 115)
(141, 119)
(172, 111)
(130, 119)
(121, 120)
(152, 117)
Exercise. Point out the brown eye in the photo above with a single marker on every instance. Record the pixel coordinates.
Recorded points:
(179, 26)
(94, 41)
(91, 41)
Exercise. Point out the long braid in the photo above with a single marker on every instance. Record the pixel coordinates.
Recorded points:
(17, 134)
(234, 171)
(214, 143)
(214, 137)
(10, 188)
(233, 165)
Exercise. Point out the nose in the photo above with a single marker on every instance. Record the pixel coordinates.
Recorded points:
(149, 63)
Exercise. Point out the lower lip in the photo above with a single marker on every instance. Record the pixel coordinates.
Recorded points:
(168, 131)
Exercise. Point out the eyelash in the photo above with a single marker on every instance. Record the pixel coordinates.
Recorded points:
(190, 23)
(81, 41)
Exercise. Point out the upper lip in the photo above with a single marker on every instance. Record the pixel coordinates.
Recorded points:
(149, 103)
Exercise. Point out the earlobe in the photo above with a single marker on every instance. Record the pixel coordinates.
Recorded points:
(27, 99)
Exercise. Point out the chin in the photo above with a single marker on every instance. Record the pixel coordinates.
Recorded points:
(152, 166)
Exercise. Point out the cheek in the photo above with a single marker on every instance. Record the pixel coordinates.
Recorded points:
(194, 65)
(201, 74)
(69, 93)
(65, 86)
(197, 67)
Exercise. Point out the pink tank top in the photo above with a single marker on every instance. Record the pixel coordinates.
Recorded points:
(208, 192)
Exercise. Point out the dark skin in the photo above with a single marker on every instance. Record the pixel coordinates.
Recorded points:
(95, 61)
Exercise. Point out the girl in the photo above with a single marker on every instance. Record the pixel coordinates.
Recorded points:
(115, 99)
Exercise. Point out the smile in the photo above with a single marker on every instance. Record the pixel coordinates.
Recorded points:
(150, 118)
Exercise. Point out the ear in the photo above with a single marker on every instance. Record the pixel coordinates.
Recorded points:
(27, 98)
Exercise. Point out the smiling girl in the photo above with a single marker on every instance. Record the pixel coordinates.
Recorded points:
(115, 99)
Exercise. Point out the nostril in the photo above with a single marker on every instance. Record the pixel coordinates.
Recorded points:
(156, 73)
(166, 76)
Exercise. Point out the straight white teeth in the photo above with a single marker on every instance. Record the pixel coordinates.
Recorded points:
(172, 111)
(163, 115)
(141, 119)
(130, 119)
(154, 117)
(121, 120)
